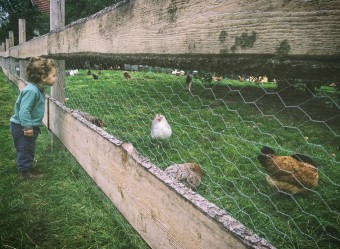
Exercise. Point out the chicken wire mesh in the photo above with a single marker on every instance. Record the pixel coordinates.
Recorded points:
(221, 121)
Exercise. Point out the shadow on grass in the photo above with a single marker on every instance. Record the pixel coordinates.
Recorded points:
(288, 102)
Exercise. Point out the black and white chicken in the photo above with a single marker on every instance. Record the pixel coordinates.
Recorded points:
(188, 80)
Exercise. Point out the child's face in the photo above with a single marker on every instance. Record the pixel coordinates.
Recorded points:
(51, 77)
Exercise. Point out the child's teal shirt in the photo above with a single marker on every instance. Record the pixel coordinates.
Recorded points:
(29, 108)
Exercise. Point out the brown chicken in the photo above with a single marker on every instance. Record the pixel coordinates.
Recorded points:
(292, 174)
(190, 174)
(93, 119)
(127, 75)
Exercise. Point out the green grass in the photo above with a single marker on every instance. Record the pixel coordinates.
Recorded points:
(222, 126)
(65, 209)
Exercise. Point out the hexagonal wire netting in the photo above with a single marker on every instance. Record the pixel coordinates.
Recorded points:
(221, 121)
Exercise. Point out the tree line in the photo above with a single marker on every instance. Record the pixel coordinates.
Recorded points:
(38, 23)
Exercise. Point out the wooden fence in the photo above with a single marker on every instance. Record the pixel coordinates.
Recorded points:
(213, 35)
(291, 39)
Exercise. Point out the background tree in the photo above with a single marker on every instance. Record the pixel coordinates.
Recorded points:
(38, 23)
(13, 10)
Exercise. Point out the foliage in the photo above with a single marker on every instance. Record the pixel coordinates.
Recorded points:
(11, 11)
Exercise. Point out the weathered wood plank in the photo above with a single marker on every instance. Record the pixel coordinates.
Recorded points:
(201, 27)
(57, 14)
(11, 39)
(22, 30)
(35, 47)
(294, 39)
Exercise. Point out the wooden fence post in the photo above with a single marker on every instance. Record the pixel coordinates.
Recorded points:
(22, 66)
(7, 44)
(57, 14)
(58, 90)
(22, 31)
(11, 39)
(22, 39)
(57, 20)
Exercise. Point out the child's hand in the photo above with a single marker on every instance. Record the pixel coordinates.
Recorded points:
(28, 133)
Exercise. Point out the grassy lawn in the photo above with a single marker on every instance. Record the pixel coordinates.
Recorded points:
(65, 209)
(222, 126)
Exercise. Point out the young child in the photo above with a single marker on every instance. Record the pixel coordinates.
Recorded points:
(28, 113)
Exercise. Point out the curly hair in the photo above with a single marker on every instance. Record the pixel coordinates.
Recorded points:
(38, 67)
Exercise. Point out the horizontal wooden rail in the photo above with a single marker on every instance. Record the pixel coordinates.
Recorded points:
(291, 39)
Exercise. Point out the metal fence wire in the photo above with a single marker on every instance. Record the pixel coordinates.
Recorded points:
(269, 153)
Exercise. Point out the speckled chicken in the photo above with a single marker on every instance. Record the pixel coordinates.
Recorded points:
(93, 119)
(190, 174)
(160, 129)
(292, 174)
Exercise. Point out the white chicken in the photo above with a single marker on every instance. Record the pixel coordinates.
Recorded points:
(160, 129)
(190, 174)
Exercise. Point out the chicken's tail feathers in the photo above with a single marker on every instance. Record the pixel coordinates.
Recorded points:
(304, 159)
(197, 169)
(267, 151)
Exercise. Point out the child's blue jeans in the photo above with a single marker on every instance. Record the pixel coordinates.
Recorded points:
(25, 146)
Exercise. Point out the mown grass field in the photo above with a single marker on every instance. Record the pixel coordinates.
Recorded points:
(222, 126)
(65, 209)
